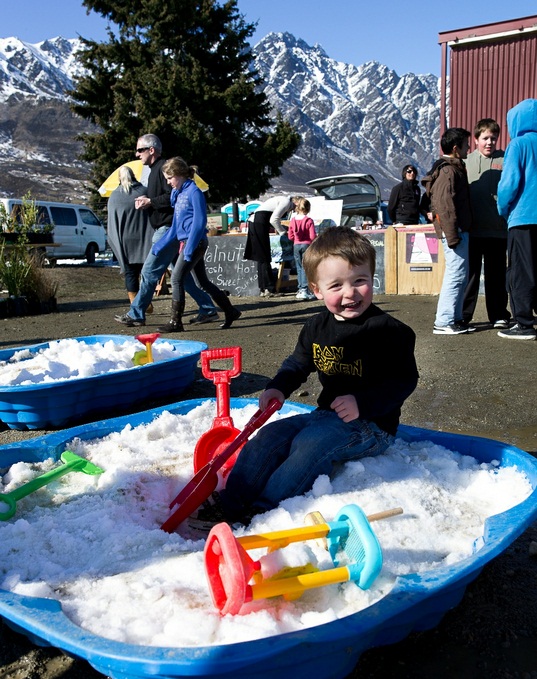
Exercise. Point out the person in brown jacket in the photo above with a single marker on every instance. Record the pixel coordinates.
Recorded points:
(447, 188)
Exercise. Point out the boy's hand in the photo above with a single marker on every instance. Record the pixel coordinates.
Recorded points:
(346, 408)
(267, 396)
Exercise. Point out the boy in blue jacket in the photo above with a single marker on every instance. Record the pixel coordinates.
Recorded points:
(365, 362)
(517, 202)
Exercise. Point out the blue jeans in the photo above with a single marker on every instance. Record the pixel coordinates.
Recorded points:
(285, 458)
(298, 250)
(451, 298)
(153, 270)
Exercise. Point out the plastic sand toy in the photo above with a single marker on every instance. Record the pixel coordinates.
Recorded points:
(71, 463)
(61, 403)
(417, 602)
(235, 578)
(223, 431)
(144, 356)
(202, 484)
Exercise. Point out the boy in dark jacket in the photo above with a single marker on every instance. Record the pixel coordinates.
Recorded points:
(447, 188)
(365, 362)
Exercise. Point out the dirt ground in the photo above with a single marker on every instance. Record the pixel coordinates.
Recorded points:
(475, 384)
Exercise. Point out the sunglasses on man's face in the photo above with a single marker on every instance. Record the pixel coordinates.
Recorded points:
(410, 171)
(144, 148)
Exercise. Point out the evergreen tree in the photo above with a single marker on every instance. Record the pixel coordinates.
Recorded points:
(183, 70)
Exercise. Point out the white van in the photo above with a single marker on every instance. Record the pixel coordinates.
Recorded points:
(78, 232)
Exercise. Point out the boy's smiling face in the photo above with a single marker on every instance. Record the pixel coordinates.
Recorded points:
(346, 289)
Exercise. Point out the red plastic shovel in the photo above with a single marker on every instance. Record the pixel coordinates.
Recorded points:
(202, 484)
(222, 431)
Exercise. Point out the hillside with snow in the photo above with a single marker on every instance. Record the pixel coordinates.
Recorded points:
(364, 118)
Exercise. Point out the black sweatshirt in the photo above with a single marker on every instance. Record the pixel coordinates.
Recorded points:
(371, 357)
(159, 191)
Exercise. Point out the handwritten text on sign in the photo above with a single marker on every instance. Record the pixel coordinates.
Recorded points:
(227, 268)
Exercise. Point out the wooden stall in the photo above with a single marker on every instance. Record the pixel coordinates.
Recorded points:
(414, 261)
(410, 261)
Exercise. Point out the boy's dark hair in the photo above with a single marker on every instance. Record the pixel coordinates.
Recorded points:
(453, 136)
(486, 124)
(338, 241)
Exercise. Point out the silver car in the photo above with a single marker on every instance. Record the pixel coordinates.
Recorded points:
(362, 203)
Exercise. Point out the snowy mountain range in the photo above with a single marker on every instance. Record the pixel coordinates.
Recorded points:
(363, 118)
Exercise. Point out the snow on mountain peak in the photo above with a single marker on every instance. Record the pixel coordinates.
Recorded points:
(351, 118)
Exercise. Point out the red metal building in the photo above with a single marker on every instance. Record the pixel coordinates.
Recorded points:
(491, 68)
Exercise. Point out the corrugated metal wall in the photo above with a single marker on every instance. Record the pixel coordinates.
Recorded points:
(488, 78)
(491, 68)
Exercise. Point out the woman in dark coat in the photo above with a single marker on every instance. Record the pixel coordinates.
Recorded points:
(404, 203)
(268, 214)
(129, 231)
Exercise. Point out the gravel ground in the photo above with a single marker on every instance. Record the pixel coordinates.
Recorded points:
(474, 384)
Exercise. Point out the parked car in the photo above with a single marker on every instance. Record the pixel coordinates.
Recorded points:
(360, 194)
(78, 232)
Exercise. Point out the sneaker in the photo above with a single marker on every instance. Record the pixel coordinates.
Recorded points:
(204, 318)
(453, 329)
(301, 294)
(208, 515)
(311, 297)
(125, 319)
(502, 324)
(466, 325)
(519, 332)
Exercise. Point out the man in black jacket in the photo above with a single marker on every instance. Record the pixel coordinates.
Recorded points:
(157, 202)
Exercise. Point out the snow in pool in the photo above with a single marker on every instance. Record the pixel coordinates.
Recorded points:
(69, 359)
(95, 544)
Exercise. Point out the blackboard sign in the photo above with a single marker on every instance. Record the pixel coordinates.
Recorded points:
(377, 240)
(227, 268)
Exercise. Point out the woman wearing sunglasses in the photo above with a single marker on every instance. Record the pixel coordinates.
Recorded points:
(404, 203)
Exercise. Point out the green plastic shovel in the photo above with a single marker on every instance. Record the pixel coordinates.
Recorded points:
(72, 463)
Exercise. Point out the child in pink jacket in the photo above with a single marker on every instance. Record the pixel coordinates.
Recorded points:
(301, 233)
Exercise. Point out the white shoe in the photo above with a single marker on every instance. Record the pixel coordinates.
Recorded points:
(453, 329)
(502, 324)
(301, 294)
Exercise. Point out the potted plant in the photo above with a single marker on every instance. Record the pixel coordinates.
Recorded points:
(29, 287)
(25, 223)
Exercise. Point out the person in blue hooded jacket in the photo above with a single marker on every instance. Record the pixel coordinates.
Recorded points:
(517, 202)
(189, 232)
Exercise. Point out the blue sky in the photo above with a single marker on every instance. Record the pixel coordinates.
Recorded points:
(403, 36)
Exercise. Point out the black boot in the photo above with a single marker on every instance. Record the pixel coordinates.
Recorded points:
(175, 323)
(232, 314)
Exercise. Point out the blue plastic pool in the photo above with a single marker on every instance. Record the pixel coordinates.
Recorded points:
(50, 405)
(417, 602)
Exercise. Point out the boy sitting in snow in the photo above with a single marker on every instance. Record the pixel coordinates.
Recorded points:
(365, 362)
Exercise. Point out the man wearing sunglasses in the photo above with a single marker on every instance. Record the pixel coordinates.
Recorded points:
(157, 202)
